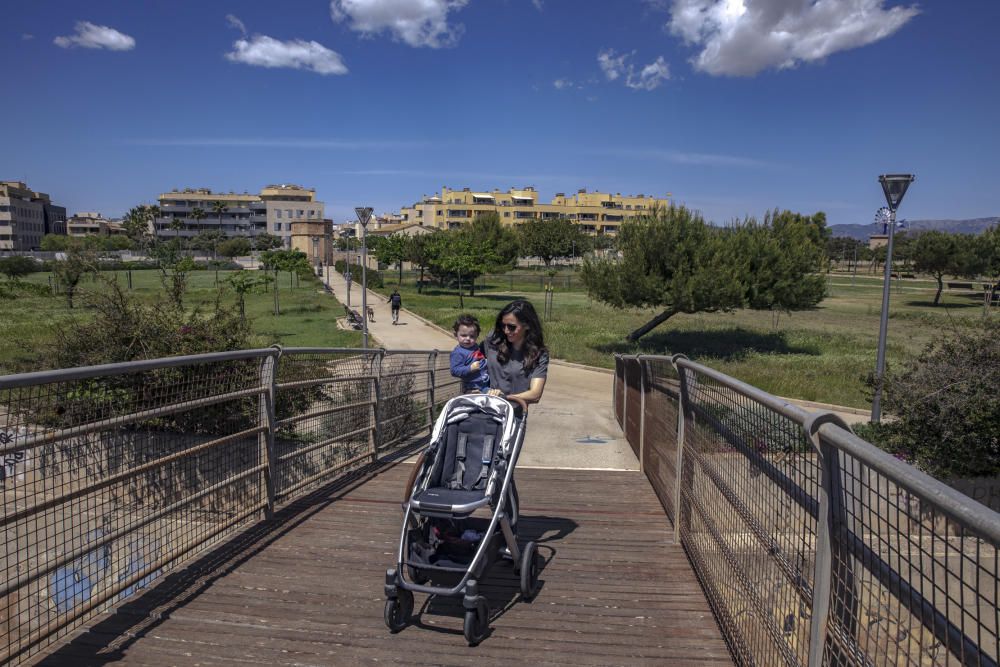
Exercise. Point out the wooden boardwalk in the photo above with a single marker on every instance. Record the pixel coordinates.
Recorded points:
(306, 589)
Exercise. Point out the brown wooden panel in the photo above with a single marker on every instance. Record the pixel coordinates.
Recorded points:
(307, 589)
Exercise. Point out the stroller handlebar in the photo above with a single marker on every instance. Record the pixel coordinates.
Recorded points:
(520, 401)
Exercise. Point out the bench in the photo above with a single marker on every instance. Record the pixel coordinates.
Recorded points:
(354, 318)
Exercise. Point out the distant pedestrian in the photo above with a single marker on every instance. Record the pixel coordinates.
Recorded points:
(396, 302)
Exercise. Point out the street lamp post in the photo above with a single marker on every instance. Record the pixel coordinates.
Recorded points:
(894, 186)
(364, 214)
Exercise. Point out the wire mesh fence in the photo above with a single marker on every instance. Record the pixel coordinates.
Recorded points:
(114, 474)
(813, 546)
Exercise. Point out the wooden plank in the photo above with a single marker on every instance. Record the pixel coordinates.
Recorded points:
(307, 589)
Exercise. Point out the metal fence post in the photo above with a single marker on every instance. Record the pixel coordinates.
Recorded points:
(625, 397)
(431, 382)
(376, 407)
(642, 414)
(682, 403)
(831, 552)
(614, 387)
(265, 440)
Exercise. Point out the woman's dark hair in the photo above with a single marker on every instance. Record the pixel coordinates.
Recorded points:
(466, 321)
(534, 340)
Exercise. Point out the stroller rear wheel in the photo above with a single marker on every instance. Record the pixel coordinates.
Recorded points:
(398, 611)
(529, 571)
(477, 622)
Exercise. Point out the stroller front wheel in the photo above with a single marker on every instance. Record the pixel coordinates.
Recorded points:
(477, 622)
(398, 611)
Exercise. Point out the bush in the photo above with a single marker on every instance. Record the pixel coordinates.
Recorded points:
(946, 407)
(17, 266)
(374, 278)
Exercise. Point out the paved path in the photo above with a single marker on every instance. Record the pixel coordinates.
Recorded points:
(571, 427)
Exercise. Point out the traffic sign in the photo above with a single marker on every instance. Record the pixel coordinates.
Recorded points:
(364, 214)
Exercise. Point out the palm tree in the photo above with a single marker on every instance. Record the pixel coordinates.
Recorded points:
(152, 212)
(218, 208)
(177, 226)
(198, 214)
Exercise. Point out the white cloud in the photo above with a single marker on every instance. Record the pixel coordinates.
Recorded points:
(613, 66)
(414, 22)
(744, 37)
(539, 5)
(252, 142)
(560, 84)
(91, 36)
(264, 51)
(235, 22)
(26, 36)
(681, 157)
(648, 77)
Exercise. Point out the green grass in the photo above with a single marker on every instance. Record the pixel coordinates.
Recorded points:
(308, 316)
(822, 354)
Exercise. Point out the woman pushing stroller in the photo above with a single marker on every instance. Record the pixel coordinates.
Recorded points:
(467, 469)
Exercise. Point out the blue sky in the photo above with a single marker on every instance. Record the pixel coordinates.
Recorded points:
(733, 106)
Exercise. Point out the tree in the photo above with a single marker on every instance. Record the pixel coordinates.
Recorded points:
(55, 242)
(198, 214)
(218, 208)
(177, 226)
(419, 253)
(78, 263)
(393, 250)
(781, 258)
(205, 241)
(492, 246)
(550, 239)
(236, 247)
(247, 282)
(670, 259)
(267, 241)
(16, 267)
(987, 247)
(936, 253)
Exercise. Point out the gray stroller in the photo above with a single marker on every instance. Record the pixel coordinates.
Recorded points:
(468, 466)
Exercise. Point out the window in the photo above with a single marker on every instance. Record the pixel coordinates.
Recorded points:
(288, 213)
(299, 213)
(506, 214)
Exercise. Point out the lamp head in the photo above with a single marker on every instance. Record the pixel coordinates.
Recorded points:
(894, 186)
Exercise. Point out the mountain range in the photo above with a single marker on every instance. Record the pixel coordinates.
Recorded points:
(973, 226)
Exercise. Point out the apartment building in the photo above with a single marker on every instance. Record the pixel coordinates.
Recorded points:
(595, 212)
(89, 223)
(273, 210)
(26, 216)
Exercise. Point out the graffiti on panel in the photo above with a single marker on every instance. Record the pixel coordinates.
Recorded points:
(14, 464)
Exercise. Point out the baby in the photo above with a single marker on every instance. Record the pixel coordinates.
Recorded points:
(467, 360)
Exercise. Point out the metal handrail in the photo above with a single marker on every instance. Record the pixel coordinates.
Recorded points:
(277, 440)
(832, 484)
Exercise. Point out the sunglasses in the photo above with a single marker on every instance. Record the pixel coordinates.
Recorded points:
(511, 327)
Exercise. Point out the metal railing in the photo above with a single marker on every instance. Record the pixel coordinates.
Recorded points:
(113, 474)
(813, 546)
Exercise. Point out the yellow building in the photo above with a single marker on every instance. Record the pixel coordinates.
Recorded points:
(595, 212)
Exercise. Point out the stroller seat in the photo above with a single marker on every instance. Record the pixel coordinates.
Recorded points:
(458, 483)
